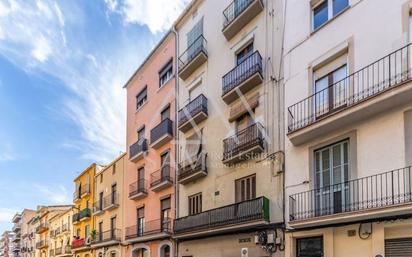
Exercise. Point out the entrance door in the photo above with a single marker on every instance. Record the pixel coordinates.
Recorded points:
(331, 171)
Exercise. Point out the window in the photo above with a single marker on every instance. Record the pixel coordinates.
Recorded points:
(165, 251)
(114, 168)
(195, 204)
(331, 169)
(244, 121)
(244, 53)
(113, 254)
(194, 40)
(114, 192)
(101, 178)
(165, 162)
(165, 206)
(100, 201)
(141, 98)
(140, 133)
(245, 188)
(140, 221)
(100, 231)
(309, 247)
(112, 227)
(326, 10)
(166, 73)
(78, 232)
(86, 231)
(331, 91)
(165, 114)
(140, 175)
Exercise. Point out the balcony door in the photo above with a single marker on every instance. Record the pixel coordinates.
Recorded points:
(165, 168)
(331, 92)
(331, 173)
(140, 221)
(165, 213)
(194, 42)
(140, 178)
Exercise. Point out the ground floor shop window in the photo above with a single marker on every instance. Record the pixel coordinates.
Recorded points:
(309, 247)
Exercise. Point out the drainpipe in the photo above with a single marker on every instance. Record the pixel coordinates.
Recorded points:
(177, 153)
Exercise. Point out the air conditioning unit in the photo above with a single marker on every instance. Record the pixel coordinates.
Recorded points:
(244, 252)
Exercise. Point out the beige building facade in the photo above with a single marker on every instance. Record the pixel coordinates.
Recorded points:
(61, 234)
(230, 167)
(348, 118)
(108, 209)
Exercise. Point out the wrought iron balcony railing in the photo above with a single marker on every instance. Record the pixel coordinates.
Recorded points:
(230, 215)
(164, 175)
(243, 142)
(84, 189)
(149, 228)
(192, 109)
(109, 235)
(165, 128)
(40, 244)
(376, 191)
(43, 226)
(137, 148)
(138, 187)
(380, 76)
(83, 214)
(250, 66)
(235, 8)
(106, 202)
(198, 46)
(191, 171)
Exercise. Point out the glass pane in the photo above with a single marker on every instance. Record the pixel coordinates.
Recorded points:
(340, 88)
(320, 15)
(310, 247)
(339, 5)
(321, 97)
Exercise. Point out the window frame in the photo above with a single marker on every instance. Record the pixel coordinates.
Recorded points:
(330, 12)
(298, 240)
(144, 99)
(166, 73)
(245, 196)
(192, 208)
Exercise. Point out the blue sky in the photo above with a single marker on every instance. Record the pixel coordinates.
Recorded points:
(62, 106)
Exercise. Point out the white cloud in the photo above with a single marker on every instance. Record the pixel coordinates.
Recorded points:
(42, 49)
(53, 195)
(157, 15)
(6, 214)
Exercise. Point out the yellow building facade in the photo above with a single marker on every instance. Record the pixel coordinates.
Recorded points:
(82, 220)
(61, 234)
(108, 209)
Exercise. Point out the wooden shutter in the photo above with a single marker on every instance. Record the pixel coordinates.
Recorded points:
(245, 188)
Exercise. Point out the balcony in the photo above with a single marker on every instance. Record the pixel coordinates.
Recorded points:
(376, 88)
(241, 79)
(193, 113)
(65, 228)
(78, 243)
(161, 179)
(161, 134)
(386, 194)
(16, 218)
(51, 252)
(107, 238)
(191, 171)
(16, 227)
(98, 207)
(244, 145)
(231, 218)
(42, 227)
(191, 59)
(110, 202)
(238, 14)
(41, 244)
(66, 250)
(81, 216)
(138, 189)
(137, 150)
(80, 192)
(151, 230)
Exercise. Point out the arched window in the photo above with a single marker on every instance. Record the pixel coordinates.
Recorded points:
(165, 251)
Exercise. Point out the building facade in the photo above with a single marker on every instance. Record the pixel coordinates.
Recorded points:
(348, 113)
(150, 179)
(82, 219)
(44, 247)
(108, 209)
(230, 143)
(22, 229)
(61, 233)
(6, 247)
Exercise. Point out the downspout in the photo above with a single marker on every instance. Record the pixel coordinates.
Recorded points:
(177, 153)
